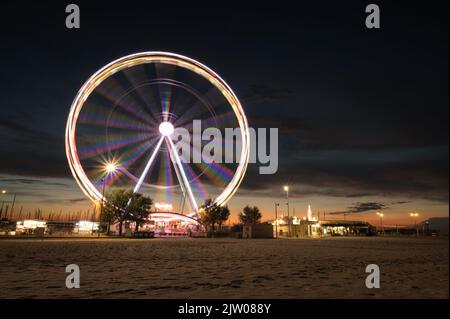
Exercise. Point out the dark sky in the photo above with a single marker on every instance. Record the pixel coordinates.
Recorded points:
(362, 113)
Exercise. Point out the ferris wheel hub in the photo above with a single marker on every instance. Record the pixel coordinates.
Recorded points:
(166, 128)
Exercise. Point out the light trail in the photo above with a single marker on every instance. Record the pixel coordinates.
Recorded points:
(147, 167)
(184, 179)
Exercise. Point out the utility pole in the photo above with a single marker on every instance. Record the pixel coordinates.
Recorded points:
(286, 189)
(13, 202)
(276, 220)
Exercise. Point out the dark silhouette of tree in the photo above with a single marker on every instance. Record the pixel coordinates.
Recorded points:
(212, 214)
(224, 214)
(123, 205)
(139, 207)
(250, 215)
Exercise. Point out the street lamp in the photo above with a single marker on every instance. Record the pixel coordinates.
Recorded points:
(286, 189)
(12, 206)
(110, 168)
(3, 203)
(415, 215)
(381, 221)
(276, 220)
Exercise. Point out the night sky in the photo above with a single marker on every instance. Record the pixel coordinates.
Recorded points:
(363, 114)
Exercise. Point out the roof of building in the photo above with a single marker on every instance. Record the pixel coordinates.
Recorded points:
(343, 223)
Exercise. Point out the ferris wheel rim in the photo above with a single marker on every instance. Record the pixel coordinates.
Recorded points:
(88, 188)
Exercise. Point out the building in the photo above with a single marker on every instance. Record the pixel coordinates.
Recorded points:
(435, 225)
(31, 227)
(86, 227)
(171, 224)
(346, 228)
(260, 230)
(323, 228)
(312, 227)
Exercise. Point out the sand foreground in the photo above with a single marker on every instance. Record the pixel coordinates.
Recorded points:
(224, 268)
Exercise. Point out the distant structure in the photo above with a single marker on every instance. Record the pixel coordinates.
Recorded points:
(262, 230)
(312, 227)
(436, 224)
(309, 218)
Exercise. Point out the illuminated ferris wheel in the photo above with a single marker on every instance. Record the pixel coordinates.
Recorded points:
(120, 131)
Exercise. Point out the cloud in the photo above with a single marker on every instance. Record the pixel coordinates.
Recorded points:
(401, 202)
(361, 208)
(29, 181)
(78, 200)
(329, 176)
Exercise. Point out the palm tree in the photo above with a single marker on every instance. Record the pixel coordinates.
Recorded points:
(140, 207)
(212, 214)
(124, 205)
(250, 215)
(224, 214)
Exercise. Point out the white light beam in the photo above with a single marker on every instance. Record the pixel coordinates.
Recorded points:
(147, 167)
(183, 176)
(177, 170)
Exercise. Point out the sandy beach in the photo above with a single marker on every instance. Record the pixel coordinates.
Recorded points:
(224, 268)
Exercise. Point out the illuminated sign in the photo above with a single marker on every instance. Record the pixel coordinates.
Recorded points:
(164, 207)
(86, 226)
(31, 224)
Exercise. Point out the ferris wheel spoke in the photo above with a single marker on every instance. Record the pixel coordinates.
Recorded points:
(184, 179)
(127, 102)
(177, 170)
(147, 167)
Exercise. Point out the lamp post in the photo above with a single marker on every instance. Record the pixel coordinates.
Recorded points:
(4, 192)
(415, 215)
(286, 189)
(3, 203)
(12, 206)
(276, 220)
(110, 168)
(381, 221)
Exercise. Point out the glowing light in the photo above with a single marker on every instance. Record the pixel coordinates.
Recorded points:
(86, 226)
(172, 216)
(183, 176)
(164, 207)
(147, 167)
(414, 214)
(110, 168)
(286, 188)
(3, 191)
(30, 224)
(166, 128)
(380, 214)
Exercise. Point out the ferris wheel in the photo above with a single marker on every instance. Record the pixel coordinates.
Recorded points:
(120, 129)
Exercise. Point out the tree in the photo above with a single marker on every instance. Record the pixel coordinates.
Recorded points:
(224, 214)
(123, 205)
(250, 215)
(139, 208)
(212, 214)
